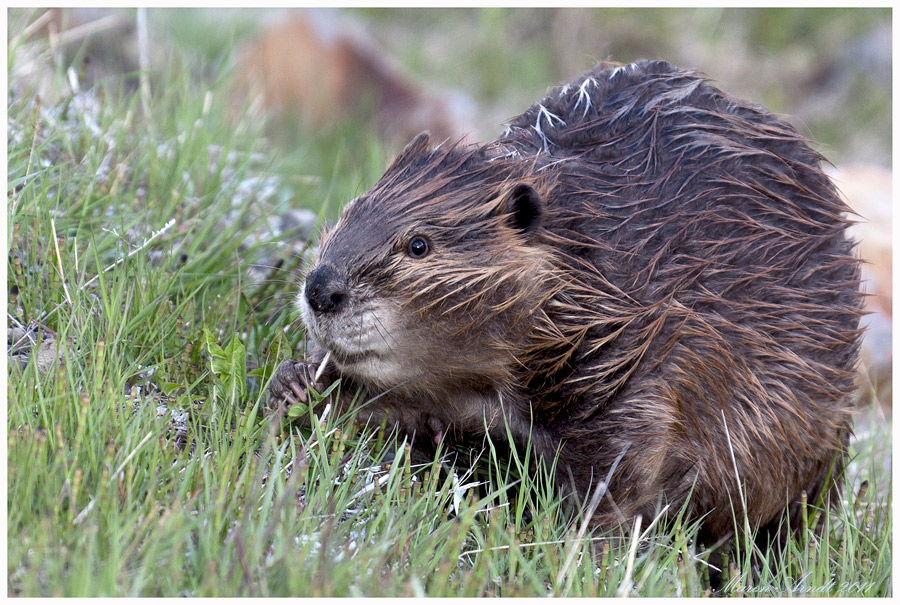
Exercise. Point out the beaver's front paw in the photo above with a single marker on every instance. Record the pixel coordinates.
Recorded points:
(291, 382)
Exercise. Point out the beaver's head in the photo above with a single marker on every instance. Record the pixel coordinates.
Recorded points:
(434, 278)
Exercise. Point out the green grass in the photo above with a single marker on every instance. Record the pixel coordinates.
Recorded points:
(142, 464)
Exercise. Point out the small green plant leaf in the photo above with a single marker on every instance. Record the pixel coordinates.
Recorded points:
(297, 410)
(229, 366)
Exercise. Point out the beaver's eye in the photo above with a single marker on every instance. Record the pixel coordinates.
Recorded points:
(418, 247)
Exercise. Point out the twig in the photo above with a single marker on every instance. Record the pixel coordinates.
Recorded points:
(87, 29)
(165, 228)
(695, 557)
(62, 274)
(129, 457)
(654, 522)
(324, 415)
(322, 365)
(528, 544)
(737, 474)
(625, 587)
(144, 58)
(53, 38)
(19, 342)
(36, 25)
(84, 513)
(73, 80)
(369, 487)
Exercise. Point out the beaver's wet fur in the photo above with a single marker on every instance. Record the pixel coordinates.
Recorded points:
(641, 270)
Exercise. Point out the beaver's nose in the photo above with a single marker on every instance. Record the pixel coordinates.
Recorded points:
(326, 289)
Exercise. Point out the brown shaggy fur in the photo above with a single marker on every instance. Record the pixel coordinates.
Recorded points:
(641, 268)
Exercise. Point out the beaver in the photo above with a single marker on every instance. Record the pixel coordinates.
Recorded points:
(643, 275)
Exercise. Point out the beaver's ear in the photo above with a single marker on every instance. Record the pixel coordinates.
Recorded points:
(525, 208)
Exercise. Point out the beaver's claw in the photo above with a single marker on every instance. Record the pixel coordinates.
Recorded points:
(291, 382)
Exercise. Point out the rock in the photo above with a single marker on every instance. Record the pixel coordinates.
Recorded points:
(49, 353)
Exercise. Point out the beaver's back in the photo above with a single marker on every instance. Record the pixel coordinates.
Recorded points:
(707, 254)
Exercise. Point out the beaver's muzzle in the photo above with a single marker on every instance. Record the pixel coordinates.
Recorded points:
(326, 289)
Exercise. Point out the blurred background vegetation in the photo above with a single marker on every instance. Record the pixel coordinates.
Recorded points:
(828, 69)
